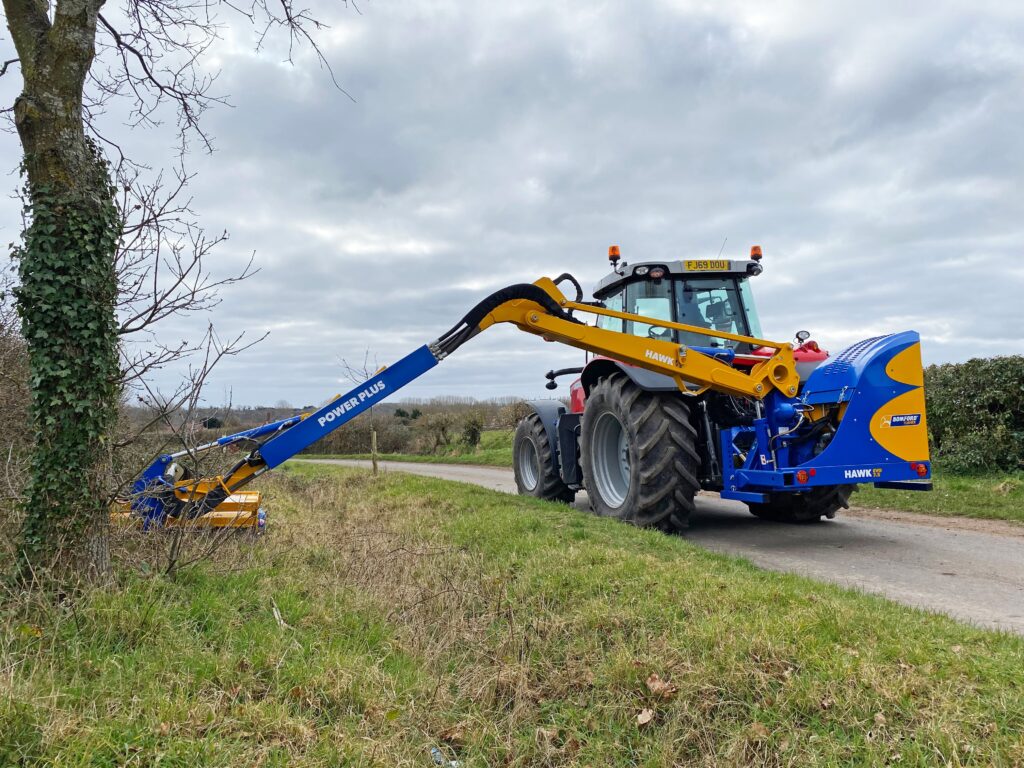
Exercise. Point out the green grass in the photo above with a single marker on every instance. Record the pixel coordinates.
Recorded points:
(994, 496)
(997, 496)
(416, 612)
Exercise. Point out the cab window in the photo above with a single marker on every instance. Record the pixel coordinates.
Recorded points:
(721, 304)
(714, 304)
(647, 298)
(650, 298)
(753, 319)
(612, 323)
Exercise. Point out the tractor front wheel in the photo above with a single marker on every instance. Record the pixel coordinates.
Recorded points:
(533, 463)
(638, 456)
(807, 507)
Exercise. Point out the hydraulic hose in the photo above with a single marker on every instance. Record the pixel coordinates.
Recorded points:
(468, 326)
(575, 284)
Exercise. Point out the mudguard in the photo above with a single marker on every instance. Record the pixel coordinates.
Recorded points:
(549, 412)
(646, 380)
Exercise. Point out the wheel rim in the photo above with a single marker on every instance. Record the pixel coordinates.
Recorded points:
(610, 457)
(528, 464)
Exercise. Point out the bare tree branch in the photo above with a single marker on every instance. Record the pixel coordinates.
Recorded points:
(180, 84)
(156, 46)
(160, 262)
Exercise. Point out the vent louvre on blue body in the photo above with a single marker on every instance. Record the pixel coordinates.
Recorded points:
(842, 363)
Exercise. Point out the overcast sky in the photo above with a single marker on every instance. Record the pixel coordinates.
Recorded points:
(875, 154)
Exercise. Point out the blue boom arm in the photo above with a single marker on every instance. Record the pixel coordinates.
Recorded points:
(346, 407)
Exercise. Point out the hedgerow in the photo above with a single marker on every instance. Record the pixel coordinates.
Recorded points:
(976, 413)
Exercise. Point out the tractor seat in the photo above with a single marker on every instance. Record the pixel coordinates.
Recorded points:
(719, 316)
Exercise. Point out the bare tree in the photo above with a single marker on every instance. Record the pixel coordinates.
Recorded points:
(173, 425)
(95, 225)
(357, 374)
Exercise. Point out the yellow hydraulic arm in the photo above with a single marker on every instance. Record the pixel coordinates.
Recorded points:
(683, 364)
(539, 308)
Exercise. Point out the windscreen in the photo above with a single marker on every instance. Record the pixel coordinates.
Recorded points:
(719, 303)
(714, 303)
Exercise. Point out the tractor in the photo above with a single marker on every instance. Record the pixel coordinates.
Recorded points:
(642, 446)
(680, 394)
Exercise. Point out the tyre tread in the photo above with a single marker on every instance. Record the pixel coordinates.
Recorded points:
(549, 485)
(666, 454)
(808, 507)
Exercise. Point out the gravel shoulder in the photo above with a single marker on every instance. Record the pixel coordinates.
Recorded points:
(978, 525)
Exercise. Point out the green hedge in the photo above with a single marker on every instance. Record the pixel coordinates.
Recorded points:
(976, 413)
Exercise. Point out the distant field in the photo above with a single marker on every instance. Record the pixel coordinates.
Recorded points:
(495, 450)
(992, 496)
(382, 617)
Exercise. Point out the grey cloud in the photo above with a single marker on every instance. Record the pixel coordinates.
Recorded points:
(875, 154)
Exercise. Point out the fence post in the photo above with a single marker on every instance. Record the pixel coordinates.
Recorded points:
(373, 449)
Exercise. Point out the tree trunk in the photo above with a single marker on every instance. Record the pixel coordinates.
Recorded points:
(67, 295)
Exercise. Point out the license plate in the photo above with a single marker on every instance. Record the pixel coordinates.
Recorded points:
(715, 265)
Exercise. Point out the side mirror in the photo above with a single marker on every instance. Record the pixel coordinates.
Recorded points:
(802, 336)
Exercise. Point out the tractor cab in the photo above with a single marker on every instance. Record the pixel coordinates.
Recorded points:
(711, 293)
(705, 293)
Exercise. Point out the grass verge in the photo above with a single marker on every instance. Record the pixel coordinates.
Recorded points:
(991, 496)
(996, 497)
(384, 616)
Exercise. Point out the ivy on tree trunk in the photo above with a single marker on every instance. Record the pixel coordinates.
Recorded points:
(68, 292)
(66, 303)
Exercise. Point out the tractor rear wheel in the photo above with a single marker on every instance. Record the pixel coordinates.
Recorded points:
(638, 456)
(533, 463)
(807, 507)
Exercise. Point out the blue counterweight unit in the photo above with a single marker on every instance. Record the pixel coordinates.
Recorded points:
(875, 390)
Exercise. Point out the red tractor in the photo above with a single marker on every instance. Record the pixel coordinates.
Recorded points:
(639, 446)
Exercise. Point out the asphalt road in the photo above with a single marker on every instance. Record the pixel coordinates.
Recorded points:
(970, 569)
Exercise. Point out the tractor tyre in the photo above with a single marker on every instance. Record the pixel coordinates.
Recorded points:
(533, 463)
(638, 455)
(807, 507)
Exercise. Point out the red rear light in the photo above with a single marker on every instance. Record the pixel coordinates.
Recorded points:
(801, 476)
(920, 467)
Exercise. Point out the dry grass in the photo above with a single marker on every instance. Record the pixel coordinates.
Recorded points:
(383, 616)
